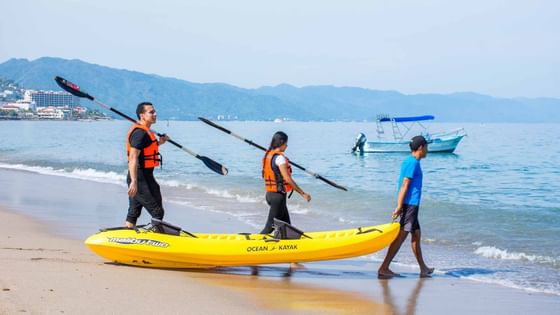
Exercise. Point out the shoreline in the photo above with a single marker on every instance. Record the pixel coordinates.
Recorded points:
(38, 256)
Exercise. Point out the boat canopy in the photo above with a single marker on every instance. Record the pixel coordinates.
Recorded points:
(405, 119)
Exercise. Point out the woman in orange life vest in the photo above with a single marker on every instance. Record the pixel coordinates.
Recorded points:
(278, 181)
(143, 156)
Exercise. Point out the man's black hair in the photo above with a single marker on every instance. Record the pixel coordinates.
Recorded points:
(140, 108)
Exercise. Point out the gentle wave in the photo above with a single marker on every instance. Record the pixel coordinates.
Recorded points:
(344, 220)
(175, 184)
(496, 253)
(524, 285)
(120, 179)
(245, 217)
(298, 209)
(78, 173)
(222, 193)
(513, 285)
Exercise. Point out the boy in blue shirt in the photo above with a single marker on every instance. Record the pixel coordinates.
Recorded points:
(408, 202)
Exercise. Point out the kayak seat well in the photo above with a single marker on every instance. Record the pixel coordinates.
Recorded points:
(285, 231)
(163, 227)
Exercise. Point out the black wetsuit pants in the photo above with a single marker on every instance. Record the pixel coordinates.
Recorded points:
(278, 210)
(147, 196)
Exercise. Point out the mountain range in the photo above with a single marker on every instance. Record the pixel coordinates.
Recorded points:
(184, 100)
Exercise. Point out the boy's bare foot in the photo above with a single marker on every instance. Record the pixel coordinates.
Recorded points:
(425, 273)
(386, 274)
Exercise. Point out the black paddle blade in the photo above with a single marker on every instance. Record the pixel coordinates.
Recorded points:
(71, 88)
(213, 165)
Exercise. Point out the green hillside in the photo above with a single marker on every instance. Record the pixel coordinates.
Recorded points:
(184, 100)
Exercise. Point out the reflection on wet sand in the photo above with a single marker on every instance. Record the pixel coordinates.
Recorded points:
(284, 292)
(412, 298)
(318, 290)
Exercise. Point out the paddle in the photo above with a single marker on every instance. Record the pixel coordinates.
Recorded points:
(264, 149)
(75, 90)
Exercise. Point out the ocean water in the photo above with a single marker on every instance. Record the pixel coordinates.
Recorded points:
(490, 212)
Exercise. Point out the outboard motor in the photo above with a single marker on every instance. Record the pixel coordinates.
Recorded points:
(361, 140)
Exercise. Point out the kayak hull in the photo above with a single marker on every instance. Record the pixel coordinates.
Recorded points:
(146, 248)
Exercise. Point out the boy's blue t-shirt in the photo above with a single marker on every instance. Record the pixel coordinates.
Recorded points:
(411, 168)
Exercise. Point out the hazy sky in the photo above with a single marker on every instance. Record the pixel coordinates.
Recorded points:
(501, 48)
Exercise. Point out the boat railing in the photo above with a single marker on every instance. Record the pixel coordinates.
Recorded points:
(454, 132)
(380, 130)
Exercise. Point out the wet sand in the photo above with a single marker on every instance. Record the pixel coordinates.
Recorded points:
(45, 268)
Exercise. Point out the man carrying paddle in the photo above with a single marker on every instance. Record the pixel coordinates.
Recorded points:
(408, 202)
(143, 156)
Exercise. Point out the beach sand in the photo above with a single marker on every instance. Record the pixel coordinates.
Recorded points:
(45, 274)
(46, 269)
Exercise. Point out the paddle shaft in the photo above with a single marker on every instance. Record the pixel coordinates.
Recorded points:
(209, 122)
(264, 149)
(75, 90)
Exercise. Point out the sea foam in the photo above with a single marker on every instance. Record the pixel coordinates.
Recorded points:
(78, 173)
(497, 253)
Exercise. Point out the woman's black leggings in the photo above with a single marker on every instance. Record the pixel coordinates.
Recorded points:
(278, 210)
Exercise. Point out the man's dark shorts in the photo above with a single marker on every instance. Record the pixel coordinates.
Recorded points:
(409, 218)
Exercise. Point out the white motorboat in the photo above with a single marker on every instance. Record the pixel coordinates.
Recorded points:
(443, 142)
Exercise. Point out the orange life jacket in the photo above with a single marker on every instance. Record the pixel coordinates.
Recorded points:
(273, 180)
(149, 155)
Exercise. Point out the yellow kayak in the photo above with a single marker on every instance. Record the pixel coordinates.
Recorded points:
(179, 249)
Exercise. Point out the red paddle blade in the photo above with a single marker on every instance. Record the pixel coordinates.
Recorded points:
(71, 88)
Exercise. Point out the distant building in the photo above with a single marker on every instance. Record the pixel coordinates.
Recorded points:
(80, 110)
(19, 105)
(50, 113)
(10, 107)
(27, 96)
(52, 98)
